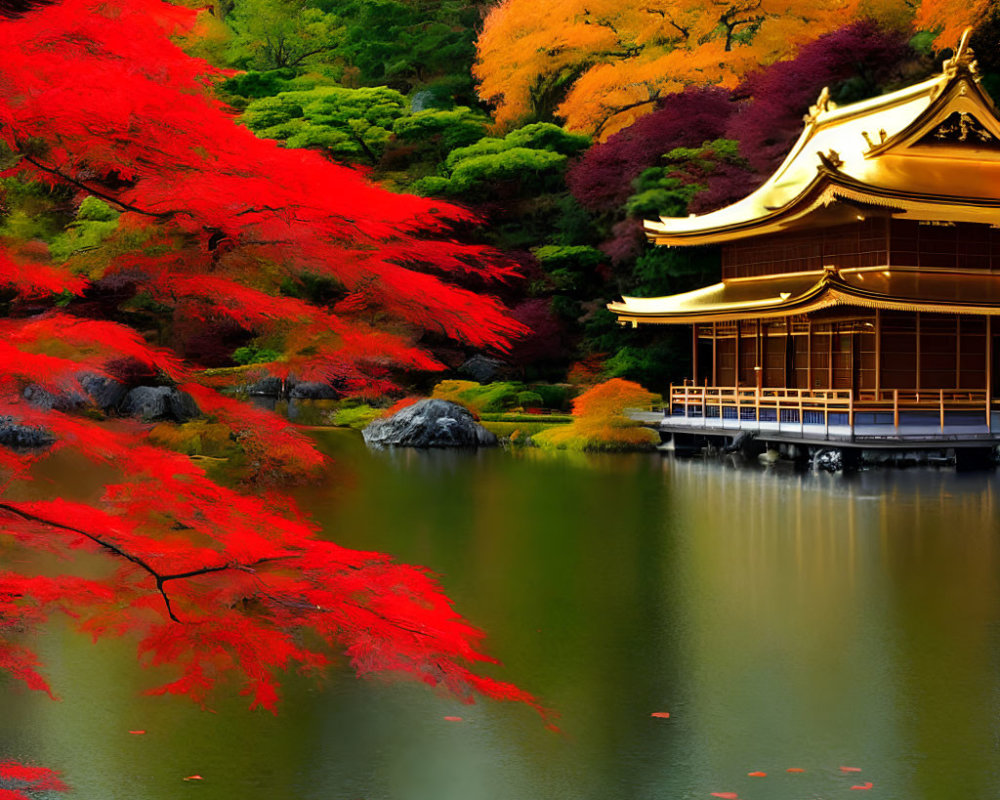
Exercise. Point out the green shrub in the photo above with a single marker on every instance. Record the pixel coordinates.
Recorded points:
(529, 399)
(517, 431)
(95, 221)
(430, 186)
(253, 355)
(478, 398)
(556, 396)
(356, 417)
(546, 419)
(518, 163)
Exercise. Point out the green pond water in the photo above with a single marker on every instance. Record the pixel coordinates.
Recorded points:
(784, 621)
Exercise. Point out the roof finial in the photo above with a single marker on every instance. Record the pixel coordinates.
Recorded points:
(964, 60)
(830, 159)
(823, 103)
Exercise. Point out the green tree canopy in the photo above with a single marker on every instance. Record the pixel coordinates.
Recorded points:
(404, 43)
(352, 124)
(273, 34)
(533, 158)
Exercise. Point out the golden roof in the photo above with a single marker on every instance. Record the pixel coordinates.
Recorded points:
(930, 151)
(789, 295)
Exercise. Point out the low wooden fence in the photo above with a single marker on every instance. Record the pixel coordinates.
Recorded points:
(820, 406)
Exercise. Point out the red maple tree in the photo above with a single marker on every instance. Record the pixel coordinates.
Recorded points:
(97, 97)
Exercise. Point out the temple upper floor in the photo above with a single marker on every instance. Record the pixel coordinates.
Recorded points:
(875, 242)
(926, 153)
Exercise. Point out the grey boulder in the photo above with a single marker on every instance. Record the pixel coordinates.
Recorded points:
(311, 390)
(42, 398)
(159, 402)
(429, 423)
(484, 369)
(16, 436)
(107, 393)
(266, 387)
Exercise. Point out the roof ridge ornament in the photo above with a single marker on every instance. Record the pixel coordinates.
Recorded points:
(868, 140)
(823, 104)
(964, 59)
(831, 159)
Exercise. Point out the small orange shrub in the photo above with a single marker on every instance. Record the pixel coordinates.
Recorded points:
(600, 422)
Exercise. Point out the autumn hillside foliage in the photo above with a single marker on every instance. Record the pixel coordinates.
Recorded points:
(600, 422)
(191, 228)
(599, 66)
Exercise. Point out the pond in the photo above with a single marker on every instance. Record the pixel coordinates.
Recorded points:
(784, 621)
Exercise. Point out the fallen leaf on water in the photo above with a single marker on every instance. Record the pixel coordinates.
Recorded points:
(795, 769)
(756, 774)
(137, 733)
(864, 786)
(194, 778)
(850, 769)
(726, 795)
(660, 714)
(453, 719)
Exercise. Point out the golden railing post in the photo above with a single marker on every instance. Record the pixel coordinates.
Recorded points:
(670, 401)
(941, 408)
(895, 407)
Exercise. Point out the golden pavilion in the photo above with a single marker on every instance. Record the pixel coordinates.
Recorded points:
(859, 282)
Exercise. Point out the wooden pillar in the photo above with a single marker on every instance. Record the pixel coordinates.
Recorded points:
(759, 368)
(878, 352)
(989, 373)
(917, 377)
(809, 355)
(787, 373)
(694, 352)
(715, 356)
(761, 331)
(855, 343)
(736, 372)
(829, 355)
(958, 352)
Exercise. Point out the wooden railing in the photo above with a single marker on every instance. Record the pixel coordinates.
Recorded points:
(793, 405)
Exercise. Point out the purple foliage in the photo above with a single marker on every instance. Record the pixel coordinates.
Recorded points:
(602, 179)
(547, 339)
(627, 242)
(855, 62)
(726, 184)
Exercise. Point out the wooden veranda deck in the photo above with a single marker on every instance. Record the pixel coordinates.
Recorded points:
(886, 418)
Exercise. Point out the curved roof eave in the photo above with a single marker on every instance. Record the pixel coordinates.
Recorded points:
(784, 296)
(841, 136)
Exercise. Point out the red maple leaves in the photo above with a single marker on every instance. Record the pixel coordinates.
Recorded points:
(219, 584)
(94, 95)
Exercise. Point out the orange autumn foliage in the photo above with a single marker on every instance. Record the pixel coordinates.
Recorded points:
(600, 421)
(600, 64)
(950, 18)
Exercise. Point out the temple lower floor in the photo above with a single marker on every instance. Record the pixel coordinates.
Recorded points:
(844, 372)
(856, 350)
